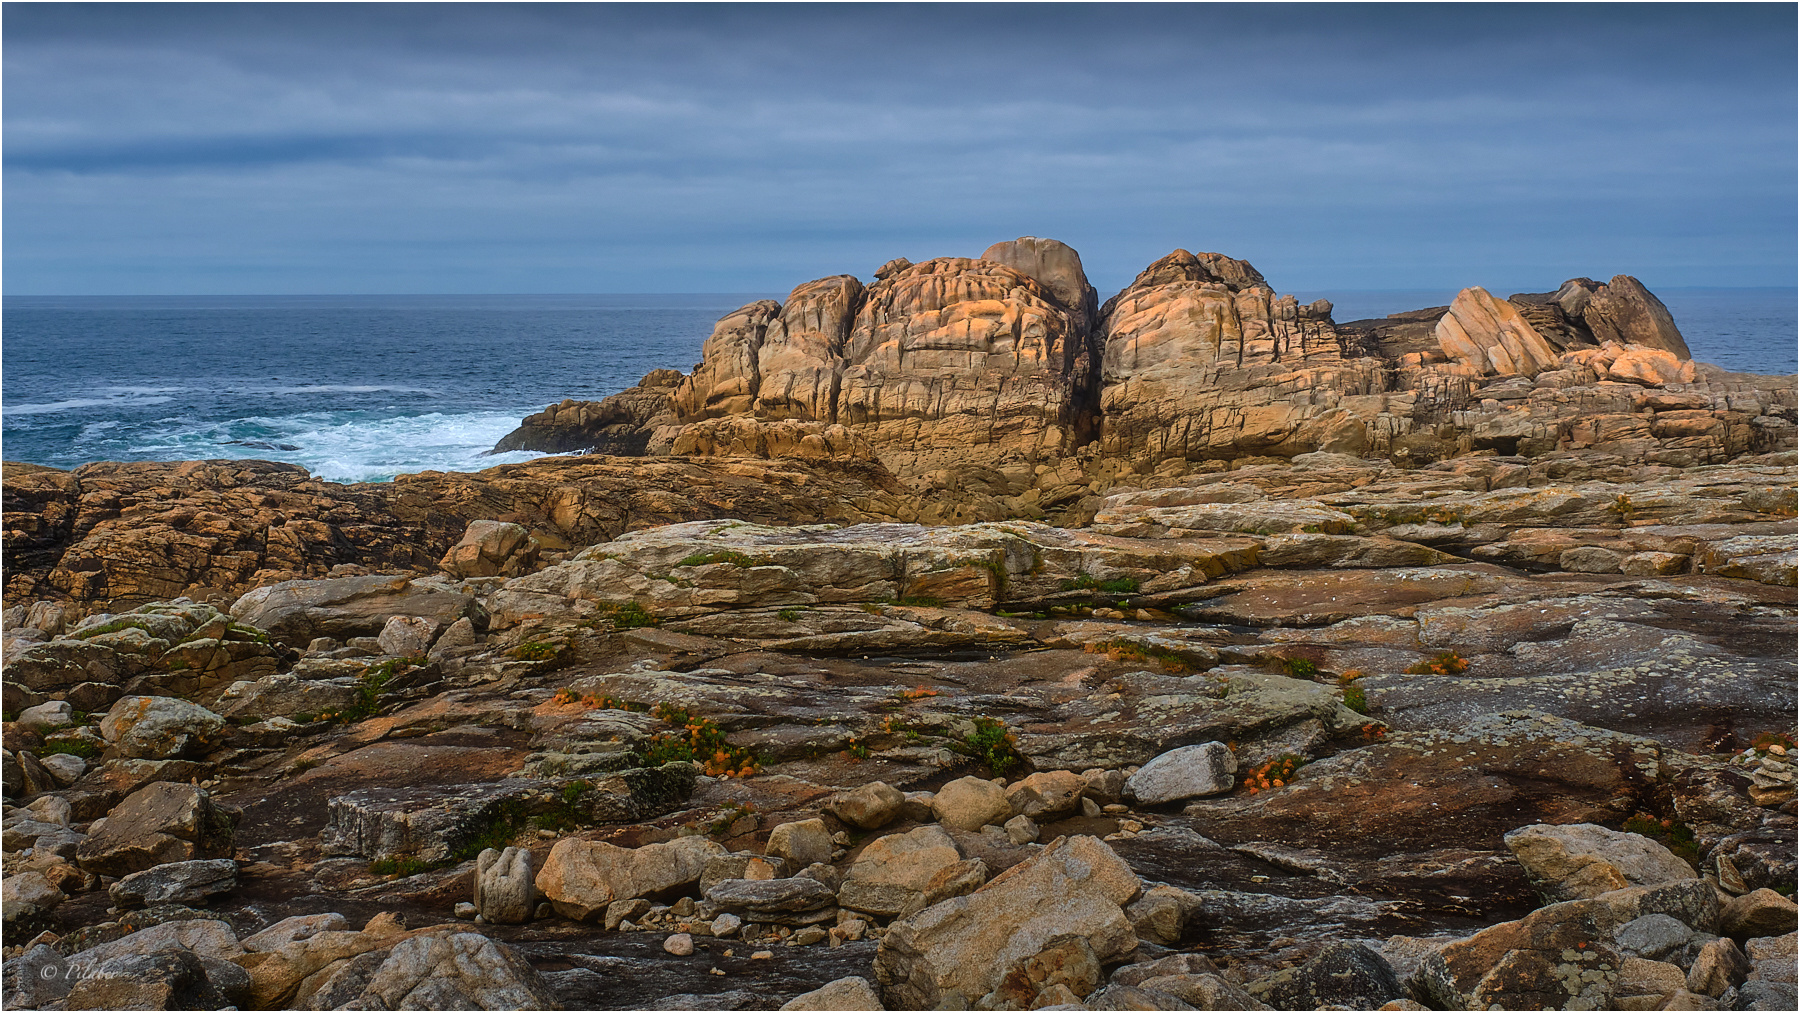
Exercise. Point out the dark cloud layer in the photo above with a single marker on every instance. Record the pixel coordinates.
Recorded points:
(566, 148)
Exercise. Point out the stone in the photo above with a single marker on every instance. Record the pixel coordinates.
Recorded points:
(1558, 955)
(65, 768)
(28, 895)
(741, 865)
(171, 979)
(798, 900)
(726, 925)
(1586, 860)
(621, 911)
(1489, 335)
(407, 636)
(285, 695)
(801, 843)
(1718, 966)
(1652, 980)
(970, 803)
(1623, 310)
(870, 807)
(461, 970)
(679, 944)
(1200, 991)
(187, 883)
(1066, 961)
(1021, 830)
(504, 890)
(35, 978)
(204, 936)
(296, 612)
(1047, 794)
(1653, 937)
(844, 993)
(957, 950)
(47, 716)
(906, 872)
(1761, 912)
(157, 824)
(1161, 914)
(489, 549)
(160, 728)
(582, 877)
(1175, 963)
(1188, 772)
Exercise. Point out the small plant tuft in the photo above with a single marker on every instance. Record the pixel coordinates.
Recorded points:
(991, 743)
(1275, 773)
(1671, 834)
(707, 558)
(1447, 663)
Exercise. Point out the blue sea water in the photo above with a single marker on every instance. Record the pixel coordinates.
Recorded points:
(366, 387)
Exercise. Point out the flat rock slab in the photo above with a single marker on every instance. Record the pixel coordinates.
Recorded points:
(630, 970)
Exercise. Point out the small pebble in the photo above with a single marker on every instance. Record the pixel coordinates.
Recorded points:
(809, 935)
(1115, 808)
(1090, 808)
(717, 972)
(763, 955)
(464, 909)
(726, 924)
(680, 944)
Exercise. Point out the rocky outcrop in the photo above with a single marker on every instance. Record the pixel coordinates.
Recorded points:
(622, 424)
(128, 533)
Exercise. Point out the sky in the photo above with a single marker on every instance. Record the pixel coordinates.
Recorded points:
(419, 148)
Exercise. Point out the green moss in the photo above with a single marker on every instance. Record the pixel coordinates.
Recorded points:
(73, 747)
(707, 558)
(503, 824)
(918, 601)
(789, 615)
(1356, 699)
(1671, 834)
(700, 741)
(401, 866)
(1088, 582)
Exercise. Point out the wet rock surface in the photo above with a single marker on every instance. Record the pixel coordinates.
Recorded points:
(1476, 690)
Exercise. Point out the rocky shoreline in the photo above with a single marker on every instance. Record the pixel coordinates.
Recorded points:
(952, 641)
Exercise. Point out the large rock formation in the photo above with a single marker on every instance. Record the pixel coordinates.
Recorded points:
(997, 388)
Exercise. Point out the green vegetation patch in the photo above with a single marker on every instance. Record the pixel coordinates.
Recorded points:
(708, 558)
(991, 743)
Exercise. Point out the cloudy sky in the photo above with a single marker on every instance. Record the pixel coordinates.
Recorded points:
(664, 148)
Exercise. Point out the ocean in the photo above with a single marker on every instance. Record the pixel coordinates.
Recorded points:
(361, 388)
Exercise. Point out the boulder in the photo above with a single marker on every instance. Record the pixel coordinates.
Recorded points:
(1623, 310)
(295, 612)
(582, 877)
(35, 978)
(1046, 795)
(1585, 860)
(1771, 982)
(161, 728)
(870, 806)
(1488, 335)
(1343, 974)
(1760, 912)
(165, 980)
(1188, 772)
(1194, 991)
(285, 695)
(287, 962)
(970, 803)
(798, 900)
(160, 823)
(187, 883)
(207, 937)
(801, 843)
(741, 865)
(28, 895)
(902, 873)
(844, 993)
(1562, 956)
(47, 716)
(293, 929)
(490, 549)
(1065, 961)
(504, 891)
(1718, 966)
(460, 970)
(958, 950)
(407, 636)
